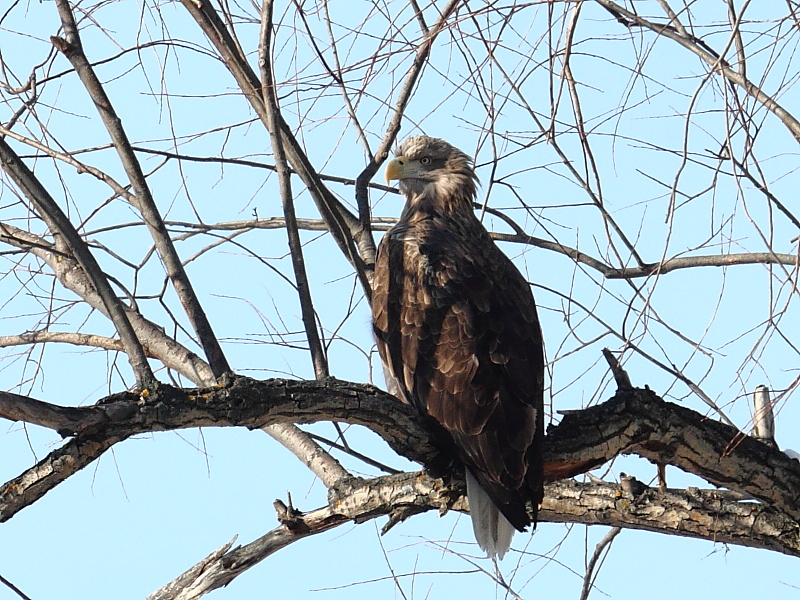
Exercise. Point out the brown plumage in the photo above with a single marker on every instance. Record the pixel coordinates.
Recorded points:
(457, 329)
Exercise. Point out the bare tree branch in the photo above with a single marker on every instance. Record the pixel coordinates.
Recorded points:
(367, 244)
(630, 19)
(14, 588)
(342, 224)
(72, 48)
(647, 269)
(65, 420)
(704, 514)
(634, 422)
(583, 141)
(65, 337)
(65, 232)
(56, 467)
(153, 338)
(285, 187)
(309, 452)
(591, 573)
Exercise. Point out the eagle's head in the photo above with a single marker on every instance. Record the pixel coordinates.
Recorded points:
(430, 167)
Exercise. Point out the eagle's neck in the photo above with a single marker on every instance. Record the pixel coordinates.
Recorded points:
(453, 194)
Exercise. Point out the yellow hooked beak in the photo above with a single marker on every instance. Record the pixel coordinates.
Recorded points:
(395, 169)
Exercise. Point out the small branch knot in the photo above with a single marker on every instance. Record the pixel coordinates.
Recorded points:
(288, 515)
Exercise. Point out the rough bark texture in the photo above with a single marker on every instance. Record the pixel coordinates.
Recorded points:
(639, 422)
(633, 422)
(761, 511)
(706, 514)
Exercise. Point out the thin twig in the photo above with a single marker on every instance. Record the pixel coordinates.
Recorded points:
(590, 576)
(631, 19)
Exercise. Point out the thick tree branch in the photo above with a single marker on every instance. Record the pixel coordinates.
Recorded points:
(703, 514)
(56, 467)
(200, 579)
(63, 419)
(634, 422)
(640, 423)
(353, 499)
(241, 402)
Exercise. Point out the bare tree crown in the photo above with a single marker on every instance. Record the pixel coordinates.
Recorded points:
(189, 208)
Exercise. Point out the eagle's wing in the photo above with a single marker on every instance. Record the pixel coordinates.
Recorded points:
(457, 327)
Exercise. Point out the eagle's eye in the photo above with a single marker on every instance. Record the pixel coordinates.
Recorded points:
(425, 160)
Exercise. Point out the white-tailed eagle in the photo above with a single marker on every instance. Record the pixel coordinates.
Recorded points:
(457, 330)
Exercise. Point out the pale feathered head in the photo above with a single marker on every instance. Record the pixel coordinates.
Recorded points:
(432, 167)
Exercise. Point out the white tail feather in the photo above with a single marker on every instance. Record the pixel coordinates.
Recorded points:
(492, 529)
